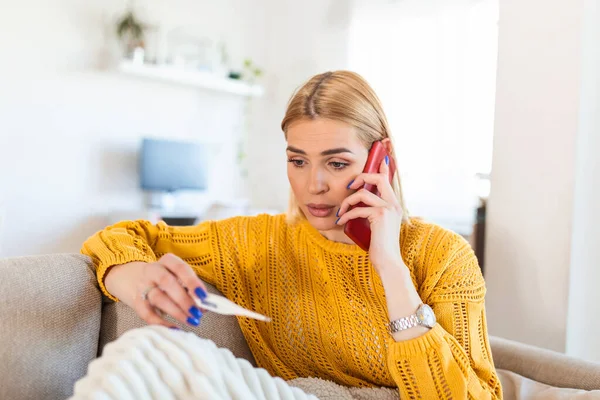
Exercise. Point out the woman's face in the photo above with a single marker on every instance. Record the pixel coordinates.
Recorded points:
(324, 156)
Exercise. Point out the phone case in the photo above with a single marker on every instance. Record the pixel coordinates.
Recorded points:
(358, 229)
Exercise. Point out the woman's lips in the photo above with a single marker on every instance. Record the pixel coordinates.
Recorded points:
(320, 210)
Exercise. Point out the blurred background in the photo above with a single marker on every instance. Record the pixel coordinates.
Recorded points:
(156, 109)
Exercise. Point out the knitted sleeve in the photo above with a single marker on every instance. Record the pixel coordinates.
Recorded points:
(212, 248)
(453, 360)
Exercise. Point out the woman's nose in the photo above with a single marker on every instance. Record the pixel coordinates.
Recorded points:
(317, 183)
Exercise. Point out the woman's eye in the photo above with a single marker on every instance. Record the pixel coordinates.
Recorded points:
(296, 162)
(338, 165)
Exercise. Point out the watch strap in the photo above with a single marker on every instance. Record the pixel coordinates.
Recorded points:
(403, 324)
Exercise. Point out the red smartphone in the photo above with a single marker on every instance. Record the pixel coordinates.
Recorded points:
(358, 229)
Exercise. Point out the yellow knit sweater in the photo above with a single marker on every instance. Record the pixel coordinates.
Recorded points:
(328, 303)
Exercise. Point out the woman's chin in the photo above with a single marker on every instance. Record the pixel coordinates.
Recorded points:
(323, 224)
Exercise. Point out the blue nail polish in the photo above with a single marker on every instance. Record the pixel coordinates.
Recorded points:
(387, 160)
(193, 321)
(350, 184)
(337, 214)
(336, 221)
(195, 312)
(200, 293)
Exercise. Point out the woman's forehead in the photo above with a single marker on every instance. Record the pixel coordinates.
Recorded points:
(322, 134)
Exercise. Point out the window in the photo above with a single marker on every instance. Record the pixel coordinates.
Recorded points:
(434, 67)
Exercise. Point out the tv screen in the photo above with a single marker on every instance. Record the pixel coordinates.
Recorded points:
(168, 166)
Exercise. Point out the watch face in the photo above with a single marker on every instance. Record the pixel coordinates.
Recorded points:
(426, 316)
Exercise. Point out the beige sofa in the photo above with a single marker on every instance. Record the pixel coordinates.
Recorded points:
(53, 322)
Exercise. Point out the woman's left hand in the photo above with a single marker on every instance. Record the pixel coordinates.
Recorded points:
(384, 214)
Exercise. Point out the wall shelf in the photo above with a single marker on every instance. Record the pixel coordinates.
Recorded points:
(198, 79)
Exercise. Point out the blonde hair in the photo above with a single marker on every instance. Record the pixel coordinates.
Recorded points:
(342, 96)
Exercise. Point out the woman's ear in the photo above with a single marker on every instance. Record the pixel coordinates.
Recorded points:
(387, 143)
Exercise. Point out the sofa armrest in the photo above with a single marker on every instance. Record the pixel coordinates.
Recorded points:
(50, 322)
(545, 366)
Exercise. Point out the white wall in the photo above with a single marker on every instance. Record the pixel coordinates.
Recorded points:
(529, 215)
(69, 130)
(583, 324)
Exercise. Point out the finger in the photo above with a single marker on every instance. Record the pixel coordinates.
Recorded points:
(167, 282)
(159, 299)
(380, 181)
(384, 168)
(184, 272)
(147, 313)
(364, 196)
(202, 310)
(371, 213)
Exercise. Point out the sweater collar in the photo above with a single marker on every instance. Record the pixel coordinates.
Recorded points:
(329, 245)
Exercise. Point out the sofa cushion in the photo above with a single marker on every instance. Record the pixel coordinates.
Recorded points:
(50, 311)
(117, 318)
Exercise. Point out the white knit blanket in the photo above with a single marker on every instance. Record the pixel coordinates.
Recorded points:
(159, 363)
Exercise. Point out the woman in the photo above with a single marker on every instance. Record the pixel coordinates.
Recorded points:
(338, 313)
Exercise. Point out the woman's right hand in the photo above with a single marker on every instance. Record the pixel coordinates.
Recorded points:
(170, 285)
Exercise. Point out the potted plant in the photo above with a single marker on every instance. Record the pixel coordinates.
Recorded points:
(251, 71)
(130, 31)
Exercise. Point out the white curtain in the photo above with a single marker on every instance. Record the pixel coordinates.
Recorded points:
(433, 64)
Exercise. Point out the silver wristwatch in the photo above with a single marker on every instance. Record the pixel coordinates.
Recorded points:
(423, 317)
